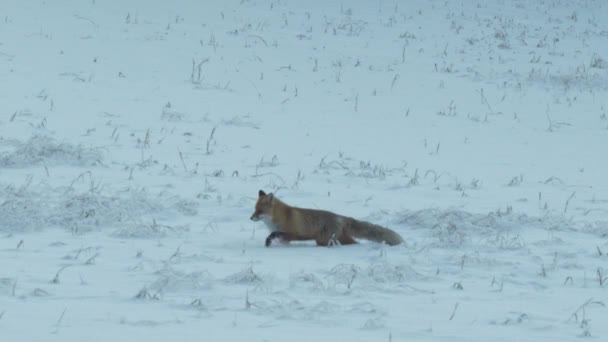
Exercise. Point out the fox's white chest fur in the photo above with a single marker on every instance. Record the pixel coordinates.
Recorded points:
(267, 219)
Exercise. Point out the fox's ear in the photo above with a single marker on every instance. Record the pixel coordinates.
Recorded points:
(261, 193)
(270, 197)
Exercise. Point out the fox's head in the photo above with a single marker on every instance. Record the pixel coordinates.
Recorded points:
(263, 206)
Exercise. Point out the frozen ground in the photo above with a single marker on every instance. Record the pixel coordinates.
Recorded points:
(134, 138)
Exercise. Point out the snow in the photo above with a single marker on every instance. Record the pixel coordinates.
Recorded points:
(134, 138)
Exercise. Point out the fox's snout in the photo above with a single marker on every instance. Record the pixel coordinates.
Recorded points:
(254, 217)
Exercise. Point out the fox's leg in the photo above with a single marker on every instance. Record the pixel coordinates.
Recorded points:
(329, 237)
(346, 240)
(285, 237)
(322, 242)
(333, 241)
(273, 236)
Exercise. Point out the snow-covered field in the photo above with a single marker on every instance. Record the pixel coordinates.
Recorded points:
(135, 135)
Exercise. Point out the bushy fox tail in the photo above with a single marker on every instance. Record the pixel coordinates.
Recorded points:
(373, 232)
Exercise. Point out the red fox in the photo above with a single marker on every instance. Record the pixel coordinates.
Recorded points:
(289, 223)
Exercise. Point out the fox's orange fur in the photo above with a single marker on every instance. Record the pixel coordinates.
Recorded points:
(289, 223)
